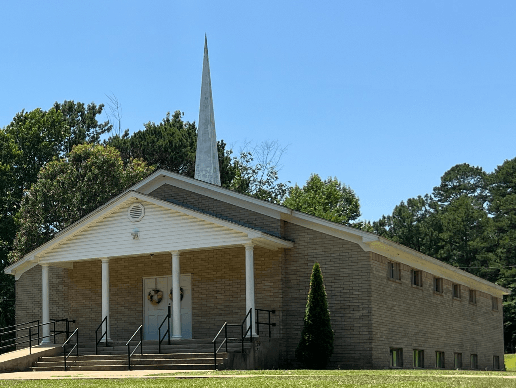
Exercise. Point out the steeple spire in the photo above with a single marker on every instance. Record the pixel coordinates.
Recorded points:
(207, 157)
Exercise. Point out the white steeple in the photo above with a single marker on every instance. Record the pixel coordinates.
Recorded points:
(206, 158)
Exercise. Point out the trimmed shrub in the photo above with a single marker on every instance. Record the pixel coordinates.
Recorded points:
(316, 345)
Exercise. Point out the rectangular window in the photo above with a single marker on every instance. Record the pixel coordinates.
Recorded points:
(419, 360)
(472, 297)
(457, 363)
(474, 361)
(439, 360)
(496, 362)
(456, 291)
(438, 285)
(416, 278)
(396, 358)
(494, 303)
(394, 270)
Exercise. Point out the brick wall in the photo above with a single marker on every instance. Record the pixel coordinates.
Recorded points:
(346, 271)
(410, 317)
(218, 290)
(28, 296)
(219, 208)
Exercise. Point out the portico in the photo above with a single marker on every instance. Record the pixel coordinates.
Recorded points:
(110, 237)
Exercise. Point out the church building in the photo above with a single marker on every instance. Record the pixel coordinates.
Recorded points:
(212, 255)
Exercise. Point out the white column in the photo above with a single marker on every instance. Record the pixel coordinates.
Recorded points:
(249, 284)
(176, 296)
(45, 304)
(105, 298)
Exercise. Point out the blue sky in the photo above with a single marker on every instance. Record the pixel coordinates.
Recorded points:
(385, 96)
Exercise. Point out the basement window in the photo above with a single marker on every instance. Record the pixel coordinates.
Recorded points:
(419, 359)
(439, 360)
(396, 358)
(496, 362)
(474, 361)
(457, 361)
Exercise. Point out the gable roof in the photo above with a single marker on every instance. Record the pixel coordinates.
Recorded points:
(368, 241)
(188, 230)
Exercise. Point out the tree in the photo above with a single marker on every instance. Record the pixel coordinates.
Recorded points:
(69, 189)
(462, 180)
(409, 224)
(316, 345)
(171, 145)
(502, 206)
(30, 141)
(329, 199)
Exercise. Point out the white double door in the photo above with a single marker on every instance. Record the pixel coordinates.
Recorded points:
(155, 313)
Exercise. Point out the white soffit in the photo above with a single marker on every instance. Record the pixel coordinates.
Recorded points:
(109, 232)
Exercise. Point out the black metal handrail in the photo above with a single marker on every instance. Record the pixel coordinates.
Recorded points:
(15, 329)
(258, 323)
(227, 339)
(140, 344)
(167, 319)
(75, 347)
(97, 341)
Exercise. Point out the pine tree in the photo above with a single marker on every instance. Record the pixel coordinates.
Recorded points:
(316, 345)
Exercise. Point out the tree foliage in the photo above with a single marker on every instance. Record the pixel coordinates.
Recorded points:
(28, 143)
(316, 345)
(256, 172)
(70, 188)
(328, 199)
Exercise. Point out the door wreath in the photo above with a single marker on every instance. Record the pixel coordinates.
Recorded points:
(155, 296)
(181, 291)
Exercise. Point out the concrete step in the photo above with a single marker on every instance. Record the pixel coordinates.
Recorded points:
(176, 361)
(71, 367)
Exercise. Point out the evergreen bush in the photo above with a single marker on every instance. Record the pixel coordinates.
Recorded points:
(316, 345)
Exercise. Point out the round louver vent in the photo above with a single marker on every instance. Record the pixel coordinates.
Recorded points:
(136, 212)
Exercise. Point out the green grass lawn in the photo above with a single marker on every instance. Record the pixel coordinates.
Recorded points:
(510, 362)
(298, 378)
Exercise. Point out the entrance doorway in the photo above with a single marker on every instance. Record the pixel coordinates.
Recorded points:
(156, 299)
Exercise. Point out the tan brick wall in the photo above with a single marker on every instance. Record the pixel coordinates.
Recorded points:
(28, 296)
(222, 209)
(218, 290)
(369, 313)
(346, 271)
(409, 317)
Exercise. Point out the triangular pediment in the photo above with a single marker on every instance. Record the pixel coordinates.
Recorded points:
(136, 224)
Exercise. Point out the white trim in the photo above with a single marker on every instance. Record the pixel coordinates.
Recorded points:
(97, 216)
(370, 242)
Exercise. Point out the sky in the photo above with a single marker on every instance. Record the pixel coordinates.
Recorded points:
(385, 96)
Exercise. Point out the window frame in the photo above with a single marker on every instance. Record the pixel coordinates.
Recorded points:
(496, 362)
(494, 303)
(456, 291)
(439, 356)
(416, 278)
(457, 360)
(394, 271)
(473, 361)
(473, 297)
(418, 358)
(438, 286)
(396, 357)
